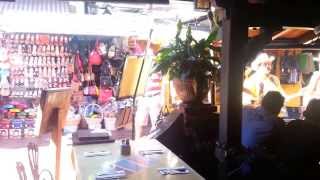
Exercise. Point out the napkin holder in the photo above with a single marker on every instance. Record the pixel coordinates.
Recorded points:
(86, 136)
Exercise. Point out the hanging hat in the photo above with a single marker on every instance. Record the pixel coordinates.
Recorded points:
(260, 59)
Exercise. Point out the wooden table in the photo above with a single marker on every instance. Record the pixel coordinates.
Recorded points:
(87, 167)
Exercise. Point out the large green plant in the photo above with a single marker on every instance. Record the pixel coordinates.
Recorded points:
(190, 59)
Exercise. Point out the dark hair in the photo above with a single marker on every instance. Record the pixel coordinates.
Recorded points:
(312, 111)
(272, 102)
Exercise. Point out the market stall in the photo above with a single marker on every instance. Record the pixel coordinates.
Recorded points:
(45, 55)
(51, 44)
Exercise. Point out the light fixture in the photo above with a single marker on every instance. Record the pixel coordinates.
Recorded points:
(202, 4)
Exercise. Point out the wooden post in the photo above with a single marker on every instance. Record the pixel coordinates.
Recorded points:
(54, 106)
(235, 32)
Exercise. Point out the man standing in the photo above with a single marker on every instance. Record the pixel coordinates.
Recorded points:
(261, 80)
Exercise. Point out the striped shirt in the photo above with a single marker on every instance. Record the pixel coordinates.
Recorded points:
(153, 86)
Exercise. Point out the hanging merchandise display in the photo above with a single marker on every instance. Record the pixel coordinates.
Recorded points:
(94, 57)
(36, 62)
(32, 62)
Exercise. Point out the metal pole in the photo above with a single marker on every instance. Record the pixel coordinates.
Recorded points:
(137, 86)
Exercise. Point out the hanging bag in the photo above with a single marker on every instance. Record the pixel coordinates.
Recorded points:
(79, 66)
(93, 89)
(86, 90)
(94, 56)
(105, 95)
(70, 67)
(79, 63)
(75, 83)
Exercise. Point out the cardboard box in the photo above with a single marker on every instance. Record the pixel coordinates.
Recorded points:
(4, 129)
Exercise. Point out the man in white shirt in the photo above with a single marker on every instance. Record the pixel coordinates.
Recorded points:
(261, 80)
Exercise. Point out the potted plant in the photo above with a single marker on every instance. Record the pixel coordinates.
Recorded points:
(190, 64)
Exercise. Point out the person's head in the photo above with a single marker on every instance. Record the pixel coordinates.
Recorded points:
(272, 102)
(262, 63)
(312, 112)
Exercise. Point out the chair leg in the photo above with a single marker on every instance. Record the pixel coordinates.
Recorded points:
(21, 171)
(33, 155)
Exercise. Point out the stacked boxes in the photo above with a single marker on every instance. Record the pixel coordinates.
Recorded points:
(17, 120)
(28, 130)
(16, 129)
(4, 128)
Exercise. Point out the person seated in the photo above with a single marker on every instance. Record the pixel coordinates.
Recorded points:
(261, 124)
(300, 145)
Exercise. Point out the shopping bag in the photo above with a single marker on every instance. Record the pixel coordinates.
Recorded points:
(105, 95)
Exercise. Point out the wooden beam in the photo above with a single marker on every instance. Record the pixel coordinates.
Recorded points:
(235, 35)
(235, 32)
(302, 47)
(278, 35)
(302, 28)
(256, 44)
(295, 16)
(307, 37)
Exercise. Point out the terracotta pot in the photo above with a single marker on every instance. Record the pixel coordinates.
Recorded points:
(187, 91)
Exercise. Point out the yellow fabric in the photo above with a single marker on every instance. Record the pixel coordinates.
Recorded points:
(166, 88)
(130, 76)
(251, 88)
(292, 89)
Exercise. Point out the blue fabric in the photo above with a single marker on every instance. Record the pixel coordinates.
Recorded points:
(289, 70)
(257, 126)
(289, 62)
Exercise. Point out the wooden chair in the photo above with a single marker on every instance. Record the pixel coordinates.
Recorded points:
(33, 156)
(21, 171)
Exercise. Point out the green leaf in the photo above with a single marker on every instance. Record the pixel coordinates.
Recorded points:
(212, 36)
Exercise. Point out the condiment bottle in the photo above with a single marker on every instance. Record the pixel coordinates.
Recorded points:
(125, 147)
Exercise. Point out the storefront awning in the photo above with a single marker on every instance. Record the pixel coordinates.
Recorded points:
(63, 17)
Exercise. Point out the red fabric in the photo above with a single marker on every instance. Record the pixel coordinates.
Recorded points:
(154, 85)
(94, 57)
(105, 95)
(79, 63)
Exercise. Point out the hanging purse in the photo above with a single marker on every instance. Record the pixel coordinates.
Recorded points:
(105, 95)
(75, 83)
(79, 67)
(94, 56)
(79, 63)
(77, 96)
(93, 89)
(105, 81)
(86, 90)
(87, 76)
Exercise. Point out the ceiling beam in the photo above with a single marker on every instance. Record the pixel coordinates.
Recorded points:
(300, 28)
(307, 37)
(281, 33)
(262, 15)
(297, 46)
